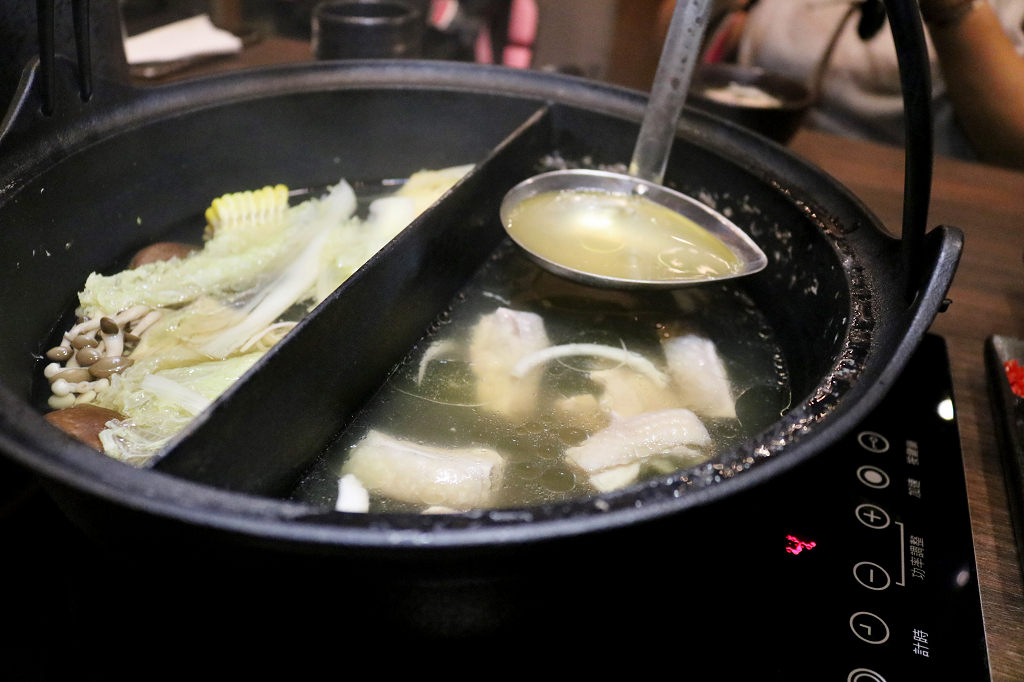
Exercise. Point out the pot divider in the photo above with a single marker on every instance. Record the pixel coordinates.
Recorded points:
(269, 427)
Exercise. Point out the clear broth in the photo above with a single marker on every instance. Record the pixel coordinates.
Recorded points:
(442, 410)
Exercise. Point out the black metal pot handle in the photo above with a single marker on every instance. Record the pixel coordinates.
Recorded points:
(915, 81)
(113, 59)
(45, 18)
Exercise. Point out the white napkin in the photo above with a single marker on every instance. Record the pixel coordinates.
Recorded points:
(180, 40)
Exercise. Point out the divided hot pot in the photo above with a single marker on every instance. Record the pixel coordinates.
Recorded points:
(86, 186)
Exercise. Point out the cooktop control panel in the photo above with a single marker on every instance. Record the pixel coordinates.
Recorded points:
(874, 540)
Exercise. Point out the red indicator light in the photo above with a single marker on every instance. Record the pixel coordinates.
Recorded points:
(796, 546)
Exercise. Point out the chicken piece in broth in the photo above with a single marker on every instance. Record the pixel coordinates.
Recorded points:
(457, 478)
(699, 376)
(500, 340)
(628, 442)
(626, 392)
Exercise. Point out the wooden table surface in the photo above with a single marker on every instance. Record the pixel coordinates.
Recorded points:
(987, 203)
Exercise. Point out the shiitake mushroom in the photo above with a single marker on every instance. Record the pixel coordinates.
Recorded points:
(83, 422)
(161, 251)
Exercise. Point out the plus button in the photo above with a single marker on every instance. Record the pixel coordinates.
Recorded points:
(872, 516)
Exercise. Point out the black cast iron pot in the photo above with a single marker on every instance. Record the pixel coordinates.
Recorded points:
(82, 188)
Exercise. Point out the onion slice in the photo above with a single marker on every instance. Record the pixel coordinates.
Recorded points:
(634, 361)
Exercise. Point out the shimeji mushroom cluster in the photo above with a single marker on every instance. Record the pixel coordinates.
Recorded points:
(92, 351)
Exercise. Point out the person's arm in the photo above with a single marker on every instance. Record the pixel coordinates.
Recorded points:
(984, 77)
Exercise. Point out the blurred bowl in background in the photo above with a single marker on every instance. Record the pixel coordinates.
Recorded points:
(367, 29)
(764, 102)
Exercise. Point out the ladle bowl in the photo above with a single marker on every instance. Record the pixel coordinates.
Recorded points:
(751, 258)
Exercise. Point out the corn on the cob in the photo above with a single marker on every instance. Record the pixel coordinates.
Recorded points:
(245, 208)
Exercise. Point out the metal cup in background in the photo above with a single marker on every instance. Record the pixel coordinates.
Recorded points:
(367, 29)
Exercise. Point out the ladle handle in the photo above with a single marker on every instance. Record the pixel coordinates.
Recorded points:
(668, 94)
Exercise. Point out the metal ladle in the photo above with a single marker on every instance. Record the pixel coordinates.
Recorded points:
(647, 169)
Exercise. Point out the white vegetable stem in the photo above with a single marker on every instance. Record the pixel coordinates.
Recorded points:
(634, 361)
(286, 290)
(295, 282)
(170, 390)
